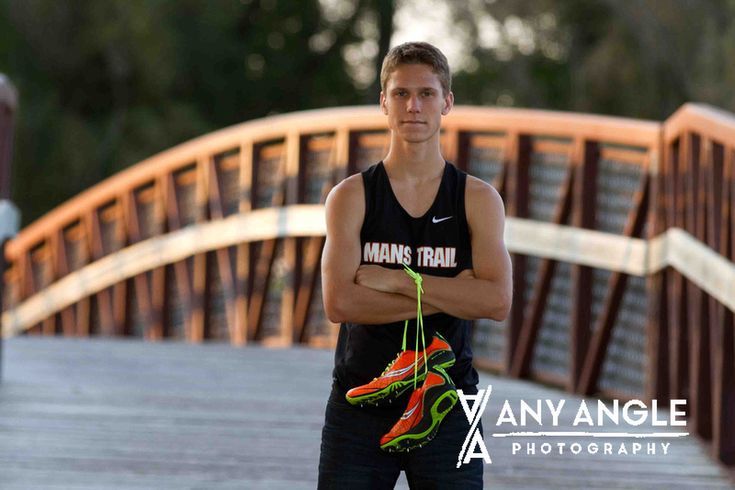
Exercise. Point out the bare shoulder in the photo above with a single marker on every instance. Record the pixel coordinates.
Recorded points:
(481, 198)
(348, 192)
(346, 201)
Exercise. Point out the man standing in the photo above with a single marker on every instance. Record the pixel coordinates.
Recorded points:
(412, 208)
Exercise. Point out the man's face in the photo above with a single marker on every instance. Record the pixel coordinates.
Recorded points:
(414, 103)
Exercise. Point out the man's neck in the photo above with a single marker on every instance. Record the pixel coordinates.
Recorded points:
(414, 161)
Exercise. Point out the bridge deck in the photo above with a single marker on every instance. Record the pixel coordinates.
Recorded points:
(128, 414)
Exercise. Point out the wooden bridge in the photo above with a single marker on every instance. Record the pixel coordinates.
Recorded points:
(120, 413)
(621, 231)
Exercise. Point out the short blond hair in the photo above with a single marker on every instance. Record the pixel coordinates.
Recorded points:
(414, 53)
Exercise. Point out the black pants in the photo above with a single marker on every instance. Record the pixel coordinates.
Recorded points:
(351, 457)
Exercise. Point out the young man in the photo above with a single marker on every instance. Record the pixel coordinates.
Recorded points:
(413, 207)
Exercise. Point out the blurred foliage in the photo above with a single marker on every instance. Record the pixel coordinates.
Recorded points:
(105, 84)
(638, 58)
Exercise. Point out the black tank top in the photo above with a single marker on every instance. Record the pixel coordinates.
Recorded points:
(437, 243)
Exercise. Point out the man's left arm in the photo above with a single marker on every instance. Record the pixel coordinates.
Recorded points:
(488, 294)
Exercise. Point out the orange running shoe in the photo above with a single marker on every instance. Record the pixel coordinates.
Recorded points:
(399, 375)
(426, 408)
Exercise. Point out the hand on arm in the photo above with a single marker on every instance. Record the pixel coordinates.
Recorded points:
(345, 300)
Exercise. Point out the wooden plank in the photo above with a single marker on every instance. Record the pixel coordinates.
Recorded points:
(678, 369)
(199, 274)
(699, 386)
(657, 320)
(500, 181)
(158, 283)
(487, 140)
(104, 298)
(633, 157)
(723, 333)
(294, 175)
(517, 159)
(46, 257)
(262, 278)
(243, 250)
(61, 267)
(585, 160)
(223, 254)
(305, 293)
(181, 270)
(120, 297)
(701, 118)
(142, 286)
(545, 146)
(87, 413)
(462, 158)
(345, 154)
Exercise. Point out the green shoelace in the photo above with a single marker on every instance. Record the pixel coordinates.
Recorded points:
(418, 280)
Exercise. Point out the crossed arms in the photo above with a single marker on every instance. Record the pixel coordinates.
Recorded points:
(370, 294)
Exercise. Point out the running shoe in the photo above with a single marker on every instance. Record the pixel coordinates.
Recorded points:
(426, 408)
(398, 377)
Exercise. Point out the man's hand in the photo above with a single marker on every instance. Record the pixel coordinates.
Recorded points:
(466, 274)
(379, 278)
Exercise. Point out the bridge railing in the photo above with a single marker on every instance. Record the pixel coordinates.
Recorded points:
(220, 238)
(692, 314)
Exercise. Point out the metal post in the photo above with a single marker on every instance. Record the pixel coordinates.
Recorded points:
(9, 221)
(8, 213)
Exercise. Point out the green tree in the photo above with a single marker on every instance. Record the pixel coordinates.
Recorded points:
(104, 85)
(641, 58)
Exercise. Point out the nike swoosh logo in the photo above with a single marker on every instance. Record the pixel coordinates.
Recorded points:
(435, 220)
(410, 412)
(399, 372)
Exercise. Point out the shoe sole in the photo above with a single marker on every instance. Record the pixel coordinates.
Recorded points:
(439, 410)
(394, 390)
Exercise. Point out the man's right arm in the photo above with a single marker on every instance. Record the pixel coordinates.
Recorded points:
(344, 300)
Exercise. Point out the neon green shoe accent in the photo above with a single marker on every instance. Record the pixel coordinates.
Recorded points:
(394, 381)
(364, 394)
(414, 441)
